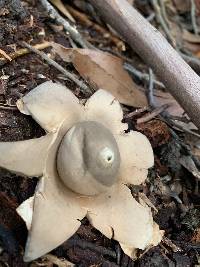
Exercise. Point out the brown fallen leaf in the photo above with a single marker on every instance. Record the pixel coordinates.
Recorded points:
(103, 70)
(162, 98)
(191, 41)
(190, 37)
(174, 109)
(182, 6)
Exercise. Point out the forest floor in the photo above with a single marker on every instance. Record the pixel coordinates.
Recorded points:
(172, 186)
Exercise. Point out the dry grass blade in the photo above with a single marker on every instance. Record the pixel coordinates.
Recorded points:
(21, 52)
(3, 53)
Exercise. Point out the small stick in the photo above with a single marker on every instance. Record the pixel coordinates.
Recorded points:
(150, 89)
(180, 80)
(193, 17)
(135, 112)
(23, 51)
(163, 12)
(162, 22)
(81, 84)
(153, 114)
(86, 21)
(192, 61)
(71, 30)
(62, 8)
(182, 128)
(8, 107)
(170, 244)
(151, 17)
(141, 76)
(5, 55)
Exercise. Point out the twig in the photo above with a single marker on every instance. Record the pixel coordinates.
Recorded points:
(150, 89)
(135, 112)
(162, 22)
(116, 53)
(153, 114)
(71, 30)
(193, 17)
(8, 107)
(86, 21)
(181, 81)
(5, 55)
(50, 61)
(182, 128)
(163, 11)
(170, 244)
(151, 17)
(23, 51)
(62, 8)
(192, 61)
(141, 76)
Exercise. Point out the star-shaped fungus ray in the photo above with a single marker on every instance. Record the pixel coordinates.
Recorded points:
(135, 149)
(117, 215)
(136, 157)
(25, 157)
(56, 210)
(157, 235)
(104, 108)
(49, 104)
(85, 162)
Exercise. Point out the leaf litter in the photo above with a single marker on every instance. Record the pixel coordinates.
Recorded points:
(170, 214)
(104, 71)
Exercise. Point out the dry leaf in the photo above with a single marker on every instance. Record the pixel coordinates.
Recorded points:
(162, 98)
(174, 109)
(182, 5)
(191, 41)
(190, 37)
(62, 9)
(105, 71)
(188, 163)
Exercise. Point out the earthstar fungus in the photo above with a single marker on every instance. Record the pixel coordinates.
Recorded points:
(85, 161)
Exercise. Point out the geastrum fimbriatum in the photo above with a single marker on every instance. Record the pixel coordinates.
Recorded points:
(85, 161)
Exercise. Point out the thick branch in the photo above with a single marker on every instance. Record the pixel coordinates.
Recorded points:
(181, 81)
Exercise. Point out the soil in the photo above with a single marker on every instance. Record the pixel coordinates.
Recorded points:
(168, 181)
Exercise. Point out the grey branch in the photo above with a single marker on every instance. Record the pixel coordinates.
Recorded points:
(178, 77)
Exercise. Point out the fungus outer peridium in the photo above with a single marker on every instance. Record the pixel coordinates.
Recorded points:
(88, 158)
(55, 211)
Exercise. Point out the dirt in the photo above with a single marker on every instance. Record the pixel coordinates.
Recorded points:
(87, 247)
